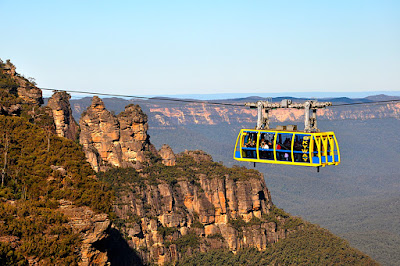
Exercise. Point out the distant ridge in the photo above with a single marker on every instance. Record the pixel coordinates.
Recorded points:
(221, 96)
(308, 95)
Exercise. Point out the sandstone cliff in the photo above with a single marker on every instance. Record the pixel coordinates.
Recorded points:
(62, 114)
(167, 155)
(92, 228)
(196, 206)
(165, 115)
(120, 141)
(20, 97)
(25, 89)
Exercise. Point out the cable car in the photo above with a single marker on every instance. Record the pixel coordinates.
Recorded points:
(285, 144)
(287, 147)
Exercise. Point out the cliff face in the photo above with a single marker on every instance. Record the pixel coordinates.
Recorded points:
(92, 228)
(62, 114)
(167, 155)
(197, 205)
(115, 140)
(25, 89)
(165, 115)
(16, 91)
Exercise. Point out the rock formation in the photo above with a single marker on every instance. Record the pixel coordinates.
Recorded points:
(14, 109)
(25, 89)
(167, 155)
(134, 140)
(92, 228)
(62, 114)
(211, 211)
(120, 141)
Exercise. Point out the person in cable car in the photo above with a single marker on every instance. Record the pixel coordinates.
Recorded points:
(266, 146)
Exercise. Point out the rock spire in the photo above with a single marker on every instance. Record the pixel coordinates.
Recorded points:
(110, 140)
(62, 114)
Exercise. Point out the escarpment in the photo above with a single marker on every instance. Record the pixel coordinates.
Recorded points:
(162, 116)
(197, 205)
(110, 140)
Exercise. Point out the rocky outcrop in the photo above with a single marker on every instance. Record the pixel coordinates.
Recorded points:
(120, 141)
(230, 210)
(92, 228)
(167, 155)
(25, 89)
(62, 114)
(14, 109)
(134, 140)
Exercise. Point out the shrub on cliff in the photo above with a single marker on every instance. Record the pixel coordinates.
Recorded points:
(8, 256)
(31, 188)
(311, 246)
(188, 168)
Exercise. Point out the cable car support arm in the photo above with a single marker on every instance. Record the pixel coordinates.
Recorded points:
(310, 112)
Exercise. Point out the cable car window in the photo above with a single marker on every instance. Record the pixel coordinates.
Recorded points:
(266, 148)
(335, 149)
(323, 143)
(283, 147)
(316, 147)
(333, 146)
(301, 148)
(249, 145)
(237, 148)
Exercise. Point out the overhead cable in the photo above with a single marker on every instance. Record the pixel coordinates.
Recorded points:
(197, 101)
(203, 102)
(148, 98)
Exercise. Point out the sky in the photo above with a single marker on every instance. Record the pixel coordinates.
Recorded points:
(204, 47)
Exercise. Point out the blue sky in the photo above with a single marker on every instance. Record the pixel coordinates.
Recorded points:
(196, 47)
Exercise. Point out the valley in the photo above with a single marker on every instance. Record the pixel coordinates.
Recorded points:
(367, 176)
(357, 200)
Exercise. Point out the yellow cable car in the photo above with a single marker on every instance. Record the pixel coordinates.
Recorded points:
(285, 144)
(287, 147)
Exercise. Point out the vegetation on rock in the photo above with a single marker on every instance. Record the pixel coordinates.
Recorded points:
(309, 246)
(38, 169)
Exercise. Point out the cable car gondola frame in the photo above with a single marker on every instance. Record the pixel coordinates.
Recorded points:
(302, 148)
(306, 149)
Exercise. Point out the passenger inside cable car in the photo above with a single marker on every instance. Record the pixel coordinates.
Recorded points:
(284, 141)
(249, 142)
(266, 149)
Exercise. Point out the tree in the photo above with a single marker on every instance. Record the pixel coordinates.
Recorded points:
(3, 172)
